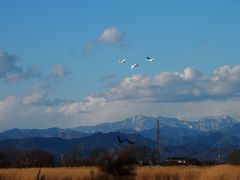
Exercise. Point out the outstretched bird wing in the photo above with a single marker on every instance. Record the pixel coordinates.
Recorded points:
(130, 142)
(125, 139)
(119, 140)
(122, 60)
(134, 65)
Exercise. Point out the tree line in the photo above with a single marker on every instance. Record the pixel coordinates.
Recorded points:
(77, 156)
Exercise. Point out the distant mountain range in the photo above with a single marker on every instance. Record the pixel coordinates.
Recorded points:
(142, 123)
(201, 138)
(172, 130)
(58, 146)
(137, 124)
(50, 132)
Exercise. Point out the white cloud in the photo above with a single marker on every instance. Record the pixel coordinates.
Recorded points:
(93, 110)
(191, 74)
(90, 103)
(7, 104)
(33, 98)
(187, 95)
(32, 111)
(111, 35)
(189, 85)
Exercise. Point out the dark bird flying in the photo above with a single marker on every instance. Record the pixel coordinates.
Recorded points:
(125, 139)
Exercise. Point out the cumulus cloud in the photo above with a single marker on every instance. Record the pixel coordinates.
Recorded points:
(191, 74)
(187, 95)
(11, 72)
(33, 98)
(37, 110)
(15, 113)
(59, 71)
(7, 104)
(189, 85)
(89, 104)
(40, 98)
(110, 36)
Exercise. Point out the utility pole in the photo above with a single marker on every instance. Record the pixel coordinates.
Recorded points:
(220, 159)
(62, 156)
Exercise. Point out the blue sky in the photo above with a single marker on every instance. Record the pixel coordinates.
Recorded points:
(66, 52)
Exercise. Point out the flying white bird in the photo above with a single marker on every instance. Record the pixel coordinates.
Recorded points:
(122, 60)
(149, 59)
(134, 65)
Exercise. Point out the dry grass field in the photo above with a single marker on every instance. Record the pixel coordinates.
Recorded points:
(222, 172)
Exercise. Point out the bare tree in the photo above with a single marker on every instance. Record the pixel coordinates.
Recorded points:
(76, 156)
(2, 160)
(35, 158)
(234, 156)
(115, 164)
(10, 154)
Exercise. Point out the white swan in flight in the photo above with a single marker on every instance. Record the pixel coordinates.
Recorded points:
(149, 59)
(122, 60)
(134, 66)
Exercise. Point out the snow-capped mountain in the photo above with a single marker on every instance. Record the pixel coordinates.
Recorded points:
(214, 123)
(143, 123)
(199, 138)
(137, 123)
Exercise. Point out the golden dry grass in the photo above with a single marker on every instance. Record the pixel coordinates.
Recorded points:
(221, 172)
(81, 173)
(152, 173)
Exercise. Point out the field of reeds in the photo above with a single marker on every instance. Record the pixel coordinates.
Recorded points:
(222, 172)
